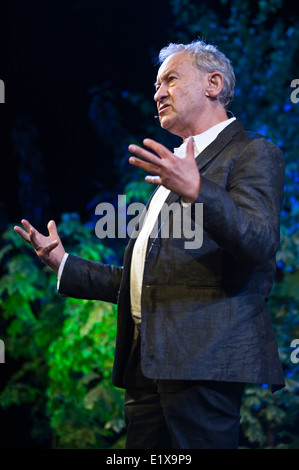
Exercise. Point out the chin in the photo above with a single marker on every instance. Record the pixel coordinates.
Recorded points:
(167, 126)
(165, 123)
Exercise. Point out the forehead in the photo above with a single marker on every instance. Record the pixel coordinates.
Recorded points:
(180, 62)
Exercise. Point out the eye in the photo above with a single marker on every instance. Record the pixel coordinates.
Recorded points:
(171, 78)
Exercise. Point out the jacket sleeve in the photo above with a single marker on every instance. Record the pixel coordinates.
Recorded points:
(83, 279)
(244, 217)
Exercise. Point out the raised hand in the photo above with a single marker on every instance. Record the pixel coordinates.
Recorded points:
(180, 175)
(49, 249)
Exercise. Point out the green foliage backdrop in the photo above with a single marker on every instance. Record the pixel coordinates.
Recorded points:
(62, 349)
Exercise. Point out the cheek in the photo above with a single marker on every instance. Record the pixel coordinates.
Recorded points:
(193, 102)
(186, 97)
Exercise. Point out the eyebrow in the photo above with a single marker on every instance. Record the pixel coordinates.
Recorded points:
(165, 75)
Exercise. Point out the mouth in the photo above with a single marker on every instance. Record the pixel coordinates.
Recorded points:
(163, 107)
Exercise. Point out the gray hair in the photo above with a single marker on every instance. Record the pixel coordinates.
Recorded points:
(207, 59)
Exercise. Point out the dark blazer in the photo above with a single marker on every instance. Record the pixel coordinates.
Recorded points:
(204, 311)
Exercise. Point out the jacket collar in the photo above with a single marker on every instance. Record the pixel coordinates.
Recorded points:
(223, 139)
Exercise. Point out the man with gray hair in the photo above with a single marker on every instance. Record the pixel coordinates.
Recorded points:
(193, 324)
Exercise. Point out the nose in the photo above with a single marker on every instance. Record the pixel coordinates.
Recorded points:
(161, 93)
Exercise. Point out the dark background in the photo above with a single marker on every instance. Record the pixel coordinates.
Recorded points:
(52, 53)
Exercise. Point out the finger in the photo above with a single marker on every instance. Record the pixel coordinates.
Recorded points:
(153, 179)
(27, 225)
(145, 155)
(52, 228)
(148, 167)
(190, 148)
(31, 233)
(160, 149)
(34, 239)
(23, 234)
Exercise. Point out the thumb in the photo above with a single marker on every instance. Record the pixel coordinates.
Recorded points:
(190, 148)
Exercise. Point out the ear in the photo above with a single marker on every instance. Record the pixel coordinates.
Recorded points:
(215, 84)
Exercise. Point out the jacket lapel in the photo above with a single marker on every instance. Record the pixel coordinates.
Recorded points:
(221, 141)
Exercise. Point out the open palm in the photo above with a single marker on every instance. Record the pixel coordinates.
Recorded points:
(49, 249)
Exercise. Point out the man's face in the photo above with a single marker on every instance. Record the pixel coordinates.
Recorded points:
(180, 95)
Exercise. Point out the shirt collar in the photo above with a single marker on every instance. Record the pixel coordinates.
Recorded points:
(201, 141)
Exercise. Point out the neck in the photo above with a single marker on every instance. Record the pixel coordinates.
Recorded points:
(205, 122)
